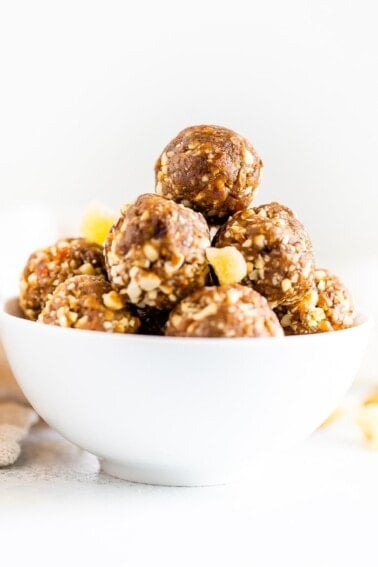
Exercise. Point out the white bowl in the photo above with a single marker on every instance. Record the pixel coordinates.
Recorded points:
(180, 411)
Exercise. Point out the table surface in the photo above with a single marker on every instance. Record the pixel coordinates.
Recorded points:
(316, 505)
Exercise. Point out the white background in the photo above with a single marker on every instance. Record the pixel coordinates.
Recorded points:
(90, 93)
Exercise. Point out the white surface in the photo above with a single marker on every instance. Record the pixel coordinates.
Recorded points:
(181, 411)
(314, 506)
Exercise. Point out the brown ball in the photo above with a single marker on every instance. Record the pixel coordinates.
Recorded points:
(210, 169)
(276, 248)
(155, 253)
(88, 302)
(328, 306)
(48, 267)
(224, 311)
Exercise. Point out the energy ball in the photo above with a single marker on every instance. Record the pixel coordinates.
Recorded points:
(328, 306)
(224, 311)
(88, 302)
(211, 169)
(276, 248)
(48, 267)
(155, 253)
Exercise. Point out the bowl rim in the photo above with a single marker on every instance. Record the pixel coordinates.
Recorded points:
(8, 306)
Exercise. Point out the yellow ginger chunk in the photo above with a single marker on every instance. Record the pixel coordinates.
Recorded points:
(367, 420)
(334, 416)
(96, 223)
(228, 264)
(371, 399)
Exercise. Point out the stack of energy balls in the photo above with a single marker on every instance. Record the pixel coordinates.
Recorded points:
(194, 259)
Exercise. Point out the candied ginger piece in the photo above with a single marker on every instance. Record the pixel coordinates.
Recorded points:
(228, 263)
(334, 416)
(96, 223)
(367, 420)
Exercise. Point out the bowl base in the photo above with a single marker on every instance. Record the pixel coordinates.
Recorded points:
(158, 476)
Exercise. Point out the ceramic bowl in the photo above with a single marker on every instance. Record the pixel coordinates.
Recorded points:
(180, 411)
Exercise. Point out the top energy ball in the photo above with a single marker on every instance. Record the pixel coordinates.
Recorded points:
(210, 169)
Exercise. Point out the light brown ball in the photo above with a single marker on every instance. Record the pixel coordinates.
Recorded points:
(210, 169)
(328, 306)
(89, 302)
(155, 253)
(276, 248)
(48, 267)
(224, 311)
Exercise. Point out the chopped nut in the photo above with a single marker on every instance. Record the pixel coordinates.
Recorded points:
(170, 267)
(133, 272)
(113, 300)
(62, 318)
(248, 157)
(228, 263)
(259, 241)
(176, 320)
(133, 291)
(167, 289)
(286, 320)
(234, 295)
(259, 262)
(286, 284)
(205, 312)
(87, 269)
(149, 282)
(150, 252)
(72, 317)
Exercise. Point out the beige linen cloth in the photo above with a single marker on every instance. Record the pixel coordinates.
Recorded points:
(16, 417)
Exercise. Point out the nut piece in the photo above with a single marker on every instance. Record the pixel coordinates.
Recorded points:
(113, 300)
(48, 267)
(228, 263)
(276, 248)
(224, 311)
(211, 169)
(155, 253)
(88, 302)
(328, 306)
